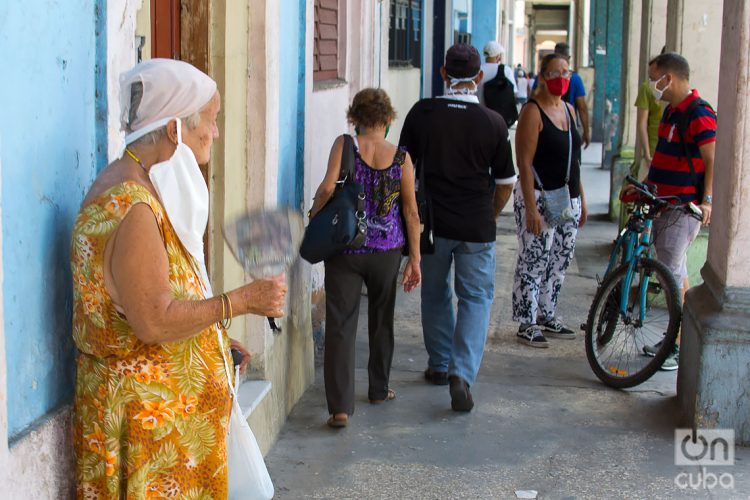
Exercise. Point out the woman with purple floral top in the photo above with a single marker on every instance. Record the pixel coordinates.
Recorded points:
(392, 221)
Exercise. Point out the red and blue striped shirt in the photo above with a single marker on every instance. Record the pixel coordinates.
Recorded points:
(669, 169)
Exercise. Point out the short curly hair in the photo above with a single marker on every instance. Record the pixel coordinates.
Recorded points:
(371, 108)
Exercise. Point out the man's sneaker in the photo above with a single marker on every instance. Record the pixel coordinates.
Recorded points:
(651, 350)
(673, 360)
(531, 335)
(554, 328)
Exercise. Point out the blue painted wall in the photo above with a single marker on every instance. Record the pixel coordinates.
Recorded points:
(51, 97)
(292, 103)
(483, 24)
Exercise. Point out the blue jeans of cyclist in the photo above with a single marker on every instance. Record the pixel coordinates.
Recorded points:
(455, 339)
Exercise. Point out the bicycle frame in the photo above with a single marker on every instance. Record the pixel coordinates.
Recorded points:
(632, 243)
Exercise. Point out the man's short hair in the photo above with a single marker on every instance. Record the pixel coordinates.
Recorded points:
(672, 62)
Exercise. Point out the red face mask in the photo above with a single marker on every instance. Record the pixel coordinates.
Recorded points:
(558, 86)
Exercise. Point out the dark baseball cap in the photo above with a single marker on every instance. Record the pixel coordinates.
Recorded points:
(462, 61)
(563, 49)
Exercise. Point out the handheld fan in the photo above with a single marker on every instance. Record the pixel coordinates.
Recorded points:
(266, 243)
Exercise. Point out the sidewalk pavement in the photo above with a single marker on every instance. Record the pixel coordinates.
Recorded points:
(542, 420)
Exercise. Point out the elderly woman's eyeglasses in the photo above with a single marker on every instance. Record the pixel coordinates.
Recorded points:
(549, 75)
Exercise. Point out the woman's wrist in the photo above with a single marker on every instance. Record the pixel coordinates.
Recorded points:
(239, 306)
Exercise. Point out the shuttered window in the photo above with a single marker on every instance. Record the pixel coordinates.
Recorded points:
(326, 51)
(405, 33)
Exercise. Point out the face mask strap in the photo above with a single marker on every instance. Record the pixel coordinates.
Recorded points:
(456, 81)
(654, 83)
(179, 131)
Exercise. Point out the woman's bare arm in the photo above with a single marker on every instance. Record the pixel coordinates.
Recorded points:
(328, 185)
(412, 275)
(140, 281)
(527, 136)
(409, 208)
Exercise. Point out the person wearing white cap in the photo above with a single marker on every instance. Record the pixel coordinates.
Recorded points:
(152, 396)
(493, 59)
(498, 90)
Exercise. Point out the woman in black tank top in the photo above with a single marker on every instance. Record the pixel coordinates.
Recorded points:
(548, 150)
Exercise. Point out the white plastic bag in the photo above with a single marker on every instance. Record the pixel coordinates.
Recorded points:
(248, 475)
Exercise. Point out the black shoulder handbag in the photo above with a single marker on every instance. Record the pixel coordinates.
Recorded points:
(341, 223)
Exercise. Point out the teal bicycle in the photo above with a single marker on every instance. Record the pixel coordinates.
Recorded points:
(637, 303)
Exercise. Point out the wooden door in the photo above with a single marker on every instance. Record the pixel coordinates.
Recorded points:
(165, 29)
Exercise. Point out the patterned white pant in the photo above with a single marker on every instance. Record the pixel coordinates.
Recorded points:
(542, 262)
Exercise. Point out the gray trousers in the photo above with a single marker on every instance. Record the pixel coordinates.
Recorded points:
(673, 232)
(344, 275)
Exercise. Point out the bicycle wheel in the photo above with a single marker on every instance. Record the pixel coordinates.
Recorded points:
(615, 341)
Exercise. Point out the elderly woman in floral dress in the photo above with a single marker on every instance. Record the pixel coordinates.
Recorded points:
(152, 397)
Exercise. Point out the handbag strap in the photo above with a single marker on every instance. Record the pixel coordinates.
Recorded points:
(570, 148)
(570, 142)
(347, 160)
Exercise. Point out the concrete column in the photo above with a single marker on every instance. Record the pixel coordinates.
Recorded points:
(630, 62)
(715, 348)
(653, 33)
(693, 28)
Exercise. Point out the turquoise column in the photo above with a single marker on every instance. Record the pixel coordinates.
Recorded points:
(292, 103)
(607, 31)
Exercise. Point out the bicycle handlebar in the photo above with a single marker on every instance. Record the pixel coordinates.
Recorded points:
(661, 202)
(645, 190)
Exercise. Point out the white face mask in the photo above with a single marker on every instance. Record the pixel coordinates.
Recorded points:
(658, 94)
(184, 195)
(465, 91)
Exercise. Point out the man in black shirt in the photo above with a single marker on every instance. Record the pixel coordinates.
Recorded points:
(468, 177)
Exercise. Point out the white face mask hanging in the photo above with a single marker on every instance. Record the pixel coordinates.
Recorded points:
(184, 195)
(457, 81)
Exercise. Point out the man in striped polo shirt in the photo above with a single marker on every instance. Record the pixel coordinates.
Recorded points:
(682, 166)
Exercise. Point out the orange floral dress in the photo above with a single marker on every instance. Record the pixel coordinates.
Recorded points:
(150, 420)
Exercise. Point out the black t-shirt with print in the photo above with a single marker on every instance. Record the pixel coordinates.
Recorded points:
(464, 148)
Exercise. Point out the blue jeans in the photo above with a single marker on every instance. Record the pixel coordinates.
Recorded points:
(455, 342)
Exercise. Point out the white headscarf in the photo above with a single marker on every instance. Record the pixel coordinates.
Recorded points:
(171, 89)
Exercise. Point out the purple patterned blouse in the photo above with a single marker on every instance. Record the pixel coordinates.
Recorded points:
(385, 228)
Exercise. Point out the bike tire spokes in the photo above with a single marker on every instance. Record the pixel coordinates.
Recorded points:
(616, 338)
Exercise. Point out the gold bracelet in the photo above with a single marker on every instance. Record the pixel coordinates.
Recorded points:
(231, 313)
(226, 321)
(220, 323)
